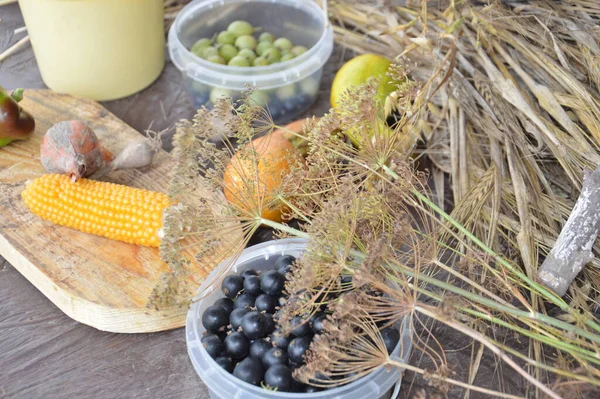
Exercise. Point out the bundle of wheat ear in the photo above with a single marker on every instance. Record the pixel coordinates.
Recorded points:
(502, 98)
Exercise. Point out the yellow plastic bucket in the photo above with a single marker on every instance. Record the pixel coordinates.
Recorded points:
(97, 49)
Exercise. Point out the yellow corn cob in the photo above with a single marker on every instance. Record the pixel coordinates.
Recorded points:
(110, 210)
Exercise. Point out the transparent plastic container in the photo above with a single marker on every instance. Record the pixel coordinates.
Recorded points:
(287, 88)
(381, 383)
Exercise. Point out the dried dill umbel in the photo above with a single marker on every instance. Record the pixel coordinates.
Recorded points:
(368, 215)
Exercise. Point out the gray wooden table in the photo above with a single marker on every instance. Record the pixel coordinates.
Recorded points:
(44, 353)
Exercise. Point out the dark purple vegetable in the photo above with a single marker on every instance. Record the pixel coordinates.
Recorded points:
(15, 122)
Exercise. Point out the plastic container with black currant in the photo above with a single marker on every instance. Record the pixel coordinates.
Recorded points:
(286, 88)
(217, 374)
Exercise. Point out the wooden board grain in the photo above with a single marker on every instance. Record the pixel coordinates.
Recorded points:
(96, 281)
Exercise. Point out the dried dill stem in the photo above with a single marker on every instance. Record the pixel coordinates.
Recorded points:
(515, 125)
(204, 229)
(355, 348)
(368, 214)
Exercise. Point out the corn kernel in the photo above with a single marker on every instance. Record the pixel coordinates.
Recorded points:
(106, 209)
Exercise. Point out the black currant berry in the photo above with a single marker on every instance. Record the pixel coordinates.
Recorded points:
(282, 300)
(279, 340)
(213, 345)
(283, 261)
(232, 285)
(274, 356)
(214, 318)
(244, 301)
(300, 326)
(316, 322)
(285, 270)
(226, 363)
(252, 285)
(297, 348)
(279, 377)
(236, 316)
(270, 323)
(391, 337)
(248, 272)
(311, 389)
(254, 325)
(294, 365)
(237, 345)
(297, 386)
(258, 349)
(266, 303)
(346, 283)
(272, 282)
(225, 303)
(249, 370)
(375, 292)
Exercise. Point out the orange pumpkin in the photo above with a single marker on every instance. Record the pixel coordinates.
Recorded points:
(255, 175)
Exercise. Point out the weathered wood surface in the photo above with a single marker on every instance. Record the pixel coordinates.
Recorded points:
(97, 281)
(573, 247)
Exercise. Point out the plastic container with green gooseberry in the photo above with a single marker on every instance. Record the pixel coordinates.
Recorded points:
(286, 88)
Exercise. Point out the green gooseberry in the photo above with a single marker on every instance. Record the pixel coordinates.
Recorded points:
(245, 41)
(198, 87)
(286, 57)
(239, 61)
(240, 28)
(297, 50)
(228, 51)
(286, 92)
(217, 59)
(260, 98)
(309, 86)
(260, 61)
(272, 55)
(225, 38)
(208, 51)
(200, 45)
(261, 47)
(266, 37)
(218, 92)
(248, 54)
(283, 43)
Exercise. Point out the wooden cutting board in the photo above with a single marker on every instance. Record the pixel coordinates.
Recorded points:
(96, 281)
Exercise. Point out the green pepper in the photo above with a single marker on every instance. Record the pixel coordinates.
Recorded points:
(15, 122)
